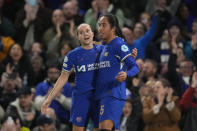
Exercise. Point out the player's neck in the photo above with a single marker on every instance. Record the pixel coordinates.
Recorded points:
(87, 47)
(110, 39)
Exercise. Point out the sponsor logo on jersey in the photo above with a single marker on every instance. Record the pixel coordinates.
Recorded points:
(93, 66)
(81, 68)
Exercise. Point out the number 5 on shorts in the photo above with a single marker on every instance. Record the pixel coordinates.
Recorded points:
(102, 110)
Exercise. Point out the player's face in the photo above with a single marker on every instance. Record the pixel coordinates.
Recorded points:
(85, 34)
(104, 29)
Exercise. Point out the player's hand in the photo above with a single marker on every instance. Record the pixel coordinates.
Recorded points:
(121, 76)
(134, 53)
(45, 106)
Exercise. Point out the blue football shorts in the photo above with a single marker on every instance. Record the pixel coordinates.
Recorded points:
(111, 109)
(83, 108)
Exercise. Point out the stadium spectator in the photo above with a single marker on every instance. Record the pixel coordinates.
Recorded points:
(45, 123)
(61, 104)
(23, 108)
(179, 80)
(128, 35)
(149, 70)
(71, 15)
(142, 37)
(16, 62)
(161, 112)
(54, 36)
(37, 73)
(10, 83)
(145, 18)
(5, 44)
(189, 105)
(100, 7)
(191, 49)
(153, 5)
(31, 22)
(91, 15)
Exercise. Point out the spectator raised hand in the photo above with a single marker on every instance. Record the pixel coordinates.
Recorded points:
(194, 80)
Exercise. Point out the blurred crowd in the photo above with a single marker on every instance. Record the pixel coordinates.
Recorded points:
(35, 35)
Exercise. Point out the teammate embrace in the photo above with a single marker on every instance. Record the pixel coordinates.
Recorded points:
(98, 93)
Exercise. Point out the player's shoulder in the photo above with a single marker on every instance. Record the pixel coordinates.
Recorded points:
(118, 41)
(74, 51)
(99, 47)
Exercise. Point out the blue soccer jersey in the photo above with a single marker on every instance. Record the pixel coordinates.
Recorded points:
(84, 63)
(111, 62)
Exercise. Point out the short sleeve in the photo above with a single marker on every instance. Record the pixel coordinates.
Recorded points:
(68, 62)
(122, 50)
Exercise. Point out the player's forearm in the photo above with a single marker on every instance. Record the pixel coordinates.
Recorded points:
(133, 68)
(62, 80)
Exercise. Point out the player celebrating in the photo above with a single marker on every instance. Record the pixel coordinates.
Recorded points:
(109, 88)
(82, 59)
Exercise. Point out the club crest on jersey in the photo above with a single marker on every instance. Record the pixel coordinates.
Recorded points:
(106, 53)
(78, 119)
(124, 48)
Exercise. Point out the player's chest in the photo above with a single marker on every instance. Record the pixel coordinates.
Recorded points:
(86, 58)
(107, 54)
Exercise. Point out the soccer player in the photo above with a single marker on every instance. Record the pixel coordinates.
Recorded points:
(82, 59)
(109, 86)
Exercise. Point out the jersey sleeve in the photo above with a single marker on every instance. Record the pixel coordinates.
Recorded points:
(68, 63)
(121, 50)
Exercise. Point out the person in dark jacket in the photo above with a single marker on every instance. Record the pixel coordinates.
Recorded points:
(189, 105)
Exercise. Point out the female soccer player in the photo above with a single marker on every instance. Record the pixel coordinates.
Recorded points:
(82, 59)
(109, 87)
